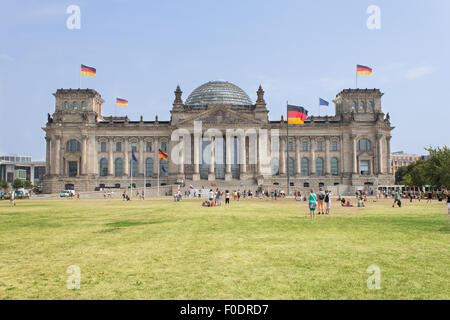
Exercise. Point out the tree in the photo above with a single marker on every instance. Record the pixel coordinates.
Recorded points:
(17, 184)
(439, 167)
(4, 185)
(401, 172)
(27, 184)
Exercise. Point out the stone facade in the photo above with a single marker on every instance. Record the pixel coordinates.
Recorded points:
(86, 150)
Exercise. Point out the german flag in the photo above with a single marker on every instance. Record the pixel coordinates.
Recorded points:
(296, 115)
(363, 70)
(121, 102)
(162, 155)
(88, 71)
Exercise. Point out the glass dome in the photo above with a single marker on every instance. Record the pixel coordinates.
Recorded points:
(218, 92)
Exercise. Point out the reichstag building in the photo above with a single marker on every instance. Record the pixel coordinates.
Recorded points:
(218, 137)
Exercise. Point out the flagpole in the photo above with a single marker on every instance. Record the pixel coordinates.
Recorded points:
(287, 149)
(319, 107)
(159, 166)
(145, 184)
(131, 176)
(356, 77)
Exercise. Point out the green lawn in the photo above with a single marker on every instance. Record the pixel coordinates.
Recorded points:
(253, 249)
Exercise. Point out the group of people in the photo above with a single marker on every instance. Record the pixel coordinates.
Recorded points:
(321, 201)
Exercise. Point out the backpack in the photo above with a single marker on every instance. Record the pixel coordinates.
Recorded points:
(321, 196)
(327, 198)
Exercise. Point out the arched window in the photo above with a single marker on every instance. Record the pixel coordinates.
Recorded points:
(163, 168)
(73, 146)
(103, 167)
(75, 105)
(370, 106)
(305, 167)
(354, 106)
(291, 167)
(118, 167)
(275, 165)
(83, 105)
(319, 166)
(66, 105)
(334, 166)
(364, 145)
(149, 167)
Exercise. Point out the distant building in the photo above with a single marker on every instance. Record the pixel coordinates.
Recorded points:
(401, 159)
(21, 167)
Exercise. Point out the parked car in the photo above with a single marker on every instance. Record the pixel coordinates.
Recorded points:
(67, 193)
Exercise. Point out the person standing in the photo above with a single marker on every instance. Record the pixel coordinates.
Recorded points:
(227, 197)
(430, 197)
(312, 203)
(12, 199)
(395, 199)
(448, 201)
(321, 198)
(328, 201)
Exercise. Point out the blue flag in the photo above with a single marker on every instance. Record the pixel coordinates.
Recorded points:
(134, 157)
(323, 102)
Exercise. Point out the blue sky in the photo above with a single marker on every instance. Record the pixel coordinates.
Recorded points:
(297, 50)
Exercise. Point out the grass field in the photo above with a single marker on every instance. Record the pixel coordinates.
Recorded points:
(253, 249)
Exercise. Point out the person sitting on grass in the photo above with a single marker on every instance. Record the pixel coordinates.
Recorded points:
(360, 203)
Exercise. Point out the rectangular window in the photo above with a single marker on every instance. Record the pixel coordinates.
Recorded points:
(364, 167)
(291, 146)
(73, 168)
(148, 147)
(118, 146)
(163, 146)
(134, 146)
(275, 145)
(319, 145)
(334, 146)
(304, 145)
(103, 147)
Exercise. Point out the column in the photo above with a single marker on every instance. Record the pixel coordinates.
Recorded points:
(126, 160)
(327, 156)
(282, 158)
(259, 155)
(380, 153)
(355, 154)
(48, 159)
(111, 157)
(228, 145)
(242, 156)
(312, 156)
(141, 157)
(211, 175)
(56, 155)
(83, 167)
(297, 157)
(197, 146)
(388, 154)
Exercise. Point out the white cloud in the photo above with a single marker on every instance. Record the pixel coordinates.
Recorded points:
(5, 57)
(419, 72)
